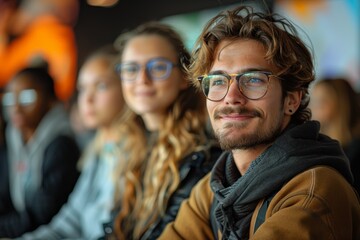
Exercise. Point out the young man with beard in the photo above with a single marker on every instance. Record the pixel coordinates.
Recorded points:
(279, 178)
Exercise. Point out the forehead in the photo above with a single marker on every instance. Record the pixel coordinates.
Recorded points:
(144, 47)
(22, 81)
(240, 55)
(96, 68)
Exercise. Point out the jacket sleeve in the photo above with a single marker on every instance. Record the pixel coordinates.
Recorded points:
(5, 199)
(317, 204)
(193, 219)
(59, 177)
(67, 223)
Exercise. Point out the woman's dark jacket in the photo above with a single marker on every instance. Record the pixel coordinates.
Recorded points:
(194, 167)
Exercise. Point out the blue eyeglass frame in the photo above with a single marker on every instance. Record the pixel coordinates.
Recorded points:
(169, 65)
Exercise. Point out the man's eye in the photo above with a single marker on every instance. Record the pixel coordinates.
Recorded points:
(218, 82)
(255, 81)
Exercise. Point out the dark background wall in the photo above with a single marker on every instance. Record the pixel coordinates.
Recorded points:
(97, 26)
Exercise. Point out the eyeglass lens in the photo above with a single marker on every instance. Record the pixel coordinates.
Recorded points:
(157, 69)
(253, 85)
(25, 97)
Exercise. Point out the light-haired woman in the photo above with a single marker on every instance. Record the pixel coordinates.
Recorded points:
(167, 148)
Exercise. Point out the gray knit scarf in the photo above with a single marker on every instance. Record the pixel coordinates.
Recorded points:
(296, 150)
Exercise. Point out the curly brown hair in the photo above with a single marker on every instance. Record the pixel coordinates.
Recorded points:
(284, 49)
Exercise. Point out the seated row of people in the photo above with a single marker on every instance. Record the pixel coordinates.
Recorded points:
(147, 154)
(153, 171)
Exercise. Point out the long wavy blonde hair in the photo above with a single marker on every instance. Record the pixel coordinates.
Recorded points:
(151, 172)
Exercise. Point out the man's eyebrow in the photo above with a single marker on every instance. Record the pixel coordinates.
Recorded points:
(216, 72)
(240, 72)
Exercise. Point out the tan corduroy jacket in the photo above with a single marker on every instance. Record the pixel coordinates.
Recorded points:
(316, 204)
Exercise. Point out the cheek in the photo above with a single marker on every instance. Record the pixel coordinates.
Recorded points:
(271, 109)
(210, 108)
(33, 115)
(81, 103)
(168, 91)
(127, 92)
(169, 95)
(110, 99)
(325, 111)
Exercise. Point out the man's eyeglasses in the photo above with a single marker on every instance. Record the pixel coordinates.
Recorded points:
(156, 68)
(253, 85)
(25, 98)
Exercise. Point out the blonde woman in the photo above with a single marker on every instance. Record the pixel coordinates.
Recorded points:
(335, 104)
(166, 122)
(100, 104)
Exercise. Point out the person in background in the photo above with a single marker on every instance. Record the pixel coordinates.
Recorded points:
(41, 153)
(335, 104)
(5, 199)
(279, 178)
(100, 105)
(33, 31)
(83, 134)
(166, 147)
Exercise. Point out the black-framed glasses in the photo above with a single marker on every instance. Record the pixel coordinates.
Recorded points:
(156, 68)
(24, 98)
(253, 85)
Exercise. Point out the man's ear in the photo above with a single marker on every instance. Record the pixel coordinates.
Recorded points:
(292, 102)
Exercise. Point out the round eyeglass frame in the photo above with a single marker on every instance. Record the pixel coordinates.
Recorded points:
(237, 76)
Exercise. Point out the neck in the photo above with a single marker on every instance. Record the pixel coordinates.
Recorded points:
(244, 157)
(153, 121)
(27, 134)
(108, 134)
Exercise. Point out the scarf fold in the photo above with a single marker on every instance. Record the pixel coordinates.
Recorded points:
(299, 148)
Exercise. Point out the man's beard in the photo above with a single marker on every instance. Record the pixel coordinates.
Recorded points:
(258, 137)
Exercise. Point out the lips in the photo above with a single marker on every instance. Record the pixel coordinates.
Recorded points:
(144, 93)
(236, 116)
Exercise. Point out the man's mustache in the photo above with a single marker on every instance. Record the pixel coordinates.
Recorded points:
(235, 110)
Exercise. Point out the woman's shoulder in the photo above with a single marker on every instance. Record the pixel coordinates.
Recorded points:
(352, 150)
(205, 155)
(63, 144)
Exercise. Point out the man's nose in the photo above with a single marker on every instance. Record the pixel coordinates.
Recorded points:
(234, 95)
